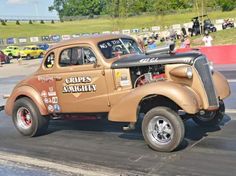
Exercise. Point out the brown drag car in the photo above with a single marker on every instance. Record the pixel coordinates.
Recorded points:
(109, 74)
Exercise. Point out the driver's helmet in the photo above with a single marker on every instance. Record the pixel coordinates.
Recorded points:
(117, 48)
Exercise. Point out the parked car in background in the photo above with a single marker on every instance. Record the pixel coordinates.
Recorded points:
(43, 46)
(31, 51)
(12, 51)
(4, 58)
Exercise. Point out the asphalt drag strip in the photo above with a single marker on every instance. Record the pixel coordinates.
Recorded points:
(13, 162)
(102, 148)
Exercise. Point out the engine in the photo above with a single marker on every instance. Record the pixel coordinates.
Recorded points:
(146, 74)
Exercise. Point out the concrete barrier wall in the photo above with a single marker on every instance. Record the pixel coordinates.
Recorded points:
(225, 54)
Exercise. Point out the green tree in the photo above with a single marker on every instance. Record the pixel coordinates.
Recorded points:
(78, 7)
(227, 5)
(58, 5)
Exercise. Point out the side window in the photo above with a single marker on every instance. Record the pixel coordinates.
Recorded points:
(76, 56)
(65, 57)
(49, 62)
(89, 57)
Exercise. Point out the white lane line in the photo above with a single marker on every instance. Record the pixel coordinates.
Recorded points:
(78, 169)
(231, 111)
(231, 80)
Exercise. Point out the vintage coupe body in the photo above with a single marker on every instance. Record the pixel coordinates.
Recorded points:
(109, 74)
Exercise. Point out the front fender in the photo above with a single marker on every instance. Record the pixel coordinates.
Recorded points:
(183, 96)
(25, 91)
(221, 85)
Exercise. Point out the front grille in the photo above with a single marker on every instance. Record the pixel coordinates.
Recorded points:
(201, 65)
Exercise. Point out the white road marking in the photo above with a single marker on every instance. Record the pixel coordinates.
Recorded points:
(231, 80)
(78, 169)
(231, 111)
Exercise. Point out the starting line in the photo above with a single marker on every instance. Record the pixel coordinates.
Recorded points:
(230, 111)
(231, 80)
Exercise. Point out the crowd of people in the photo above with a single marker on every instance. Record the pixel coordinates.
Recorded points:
(153, 40)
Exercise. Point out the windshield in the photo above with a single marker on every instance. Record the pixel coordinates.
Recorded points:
(118, 47)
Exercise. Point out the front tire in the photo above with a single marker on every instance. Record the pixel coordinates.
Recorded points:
(7, 60)
(40, 55)
(27, 118)
(28, 57)
(211, 119)
(163, 129)
(10, 56)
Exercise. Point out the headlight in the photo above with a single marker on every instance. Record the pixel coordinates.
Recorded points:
(182, 72)
(211, 67)
(189, 72)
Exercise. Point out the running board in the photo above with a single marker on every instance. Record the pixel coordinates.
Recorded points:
(1, 108)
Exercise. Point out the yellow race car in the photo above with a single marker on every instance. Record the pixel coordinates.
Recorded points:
(32, 51)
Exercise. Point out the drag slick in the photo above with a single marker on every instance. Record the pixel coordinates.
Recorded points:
(109, 74)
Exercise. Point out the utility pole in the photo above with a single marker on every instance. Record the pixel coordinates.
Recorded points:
(202, 17)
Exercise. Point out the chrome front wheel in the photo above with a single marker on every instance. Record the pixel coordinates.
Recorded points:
(163, 129)
(160, 130)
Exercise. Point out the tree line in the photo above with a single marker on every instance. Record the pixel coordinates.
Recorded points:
(124, 8)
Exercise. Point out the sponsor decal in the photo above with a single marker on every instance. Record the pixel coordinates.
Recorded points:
(149, 60)
(57, 108)
(78, 85)
(51, 94)
(46, 101)
(50, 89)
(50, 108)
(118, 74)
(54, 100)
(45, 78)
(124, 81)
(43, 94)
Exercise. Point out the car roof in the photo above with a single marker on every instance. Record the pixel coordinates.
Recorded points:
(30, 46)
(13, 46)
(90, 39)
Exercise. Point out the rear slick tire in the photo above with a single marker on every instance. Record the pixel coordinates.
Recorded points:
(163, 129)
(27, 118)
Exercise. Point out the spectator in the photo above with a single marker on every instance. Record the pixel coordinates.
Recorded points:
(207, 39)
(187, 41)
(151, 44)
(141, 43)
(182, 44)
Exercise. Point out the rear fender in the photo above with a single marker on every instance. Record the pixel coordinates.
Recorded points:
(184, 97)
(25, 91)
